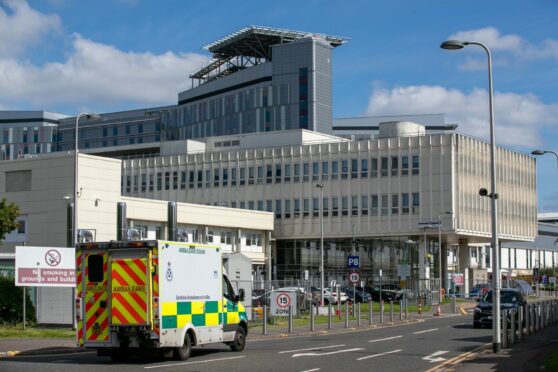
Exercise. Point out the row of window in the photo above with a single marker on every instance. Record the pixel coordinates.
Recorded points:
(269, 174)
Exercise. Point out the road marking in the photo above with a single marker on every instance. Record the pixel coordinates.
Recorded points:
(312, 348)
(385, 339)
(435, 357)
(197, 362)
(380, 354)
(460, 358)
(312, 370)
(328, 353)
(427, 330)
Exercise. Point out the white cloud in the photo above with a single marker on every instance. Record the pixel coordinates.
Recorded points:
(96, 73)
(518, 117)
(22, 27)
(500, 44)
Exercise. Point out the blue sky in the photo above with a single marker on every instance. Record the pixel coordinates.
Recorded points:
(69, 56)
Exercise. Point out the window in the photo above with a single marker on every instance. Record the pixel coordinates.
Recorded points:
(167, 180)
(260, 205)
(269, 174)
(225, 177)
(384, 166)
(325, 170)
(364, 168)
(151, 182)
(277, 173)
(143, 182)
(269, 205)
(200, 179)
(315, 171)
(250, 175)
(287, 208)
(287, 173)
(416, 202)
(136, 183)
(191, 179)
(394, 166)
(306, 205)
(394, 204)
(405, 203)
(385, 205)
(216, 173)
(210, 236)
(174, 180)
(260, 175)
(159, 181)
(21, 227)
(297, 207)
(243, 205)
(354, 205)
(182, 180)
(251, 205)
(208, 178)
(233, 177)
(404, 165)
(325, 207)
(306, 174)
(95, 272)
(374, 167)
(344, 206)
(315, 207)
(334, 206)
(334, 169)
(374, 205)
(364, 205)
(344, 169)
(242, 176)
(278, 208)
(415, 164)
(354, 168)
(296, 173)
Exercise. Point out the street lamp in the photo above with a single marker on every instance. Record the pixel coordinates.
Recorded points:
(76, 190)
(542, 152)
(496, 338)
(440, 223)
(321, 186)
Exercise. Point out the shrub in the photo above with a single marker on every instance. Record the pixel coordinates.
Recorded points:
(11, 304)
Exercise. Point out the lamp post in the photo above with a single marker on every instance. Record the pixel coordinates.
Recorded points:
(76, 190)
(321, 187)
(496, 338)
(440, 223)
(542, 152)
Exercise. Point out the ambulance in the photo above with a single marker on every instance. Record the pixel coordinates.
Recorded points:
(155, 295)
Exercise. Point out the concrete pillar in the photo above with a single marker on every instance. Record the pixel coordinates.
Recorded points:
(464, 263)
(238, 247)
(482, 258)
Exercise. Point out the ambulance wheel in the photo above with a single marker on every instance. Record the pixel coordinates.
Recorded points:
(239, 340)
(183, 353)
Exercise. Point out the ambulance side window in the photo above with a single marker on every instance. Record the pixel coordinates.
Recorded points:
(95, 268)
(228, 290)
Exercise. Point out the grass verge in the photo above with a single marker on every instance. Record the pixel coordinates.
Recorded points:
(551, 363)
(17, 331)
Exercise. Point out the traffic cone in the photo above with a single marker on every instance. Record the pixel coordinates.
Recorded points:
(438, 311)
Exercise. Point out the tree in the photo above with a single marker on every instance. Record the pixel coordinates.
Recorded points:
(8, 214)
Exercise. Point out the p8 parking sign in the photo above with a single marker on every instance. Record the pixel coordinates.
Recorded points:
(353, 262)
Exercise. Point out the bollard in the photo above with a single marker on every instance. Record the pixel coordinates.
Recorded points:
(264, 328)
(290, 318)
(406, 306)
(543, 314)
(453, 304)
(358, 314)
(370, 312)
(347, 314)
(513, 319)
(382, 311)
(391, 311)
(329, 316)
(312, 319)
(533, 317)
(537, 316)
(520, 323)
(505, 330)
(400, 310)
(527, 319)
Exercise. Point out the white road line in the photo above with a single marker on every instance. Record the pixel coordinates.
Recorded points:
(197, 362)
(428, 330)
(312, 370)
(435, 357)
(380, 354)
(329, 353)
(312, 348)
(385, 339)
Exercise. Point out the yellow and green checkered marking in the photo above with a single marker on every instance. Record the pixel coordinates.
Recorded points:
(200, 313)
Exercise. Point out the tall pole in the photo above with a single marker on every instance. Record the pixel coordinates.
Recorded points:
(321, 243)
(440, 258)
(496, 327)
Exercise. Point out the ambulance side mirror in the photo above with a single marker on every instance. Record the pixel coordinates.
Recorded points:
(241, 294)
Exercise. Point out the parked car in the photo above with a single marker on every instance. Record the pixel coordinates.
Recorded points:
(509, 299)
(329, 296)
(479, 290)
(355, 295)
(389, 292)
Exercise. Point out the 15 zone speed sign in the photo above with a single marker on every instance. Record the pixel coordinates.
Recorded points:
(280, 302)
(354, 277)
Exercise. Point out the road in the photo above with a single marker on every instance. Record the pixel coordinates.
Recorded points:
(409, 347)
